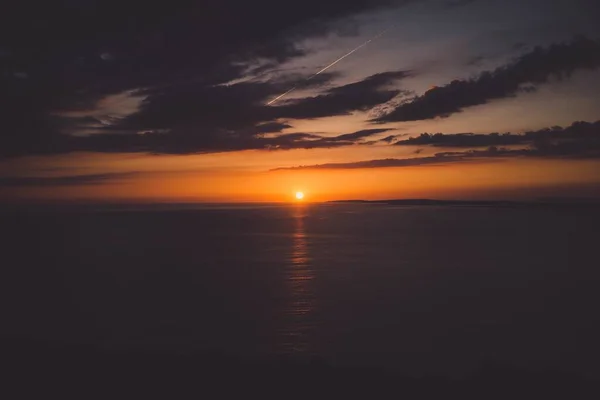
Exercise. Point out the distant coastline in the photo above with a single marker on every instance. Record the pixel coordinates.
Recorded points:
(476, 203)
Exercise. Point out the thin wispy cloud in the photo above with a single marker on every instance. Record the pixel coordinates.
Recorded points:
(69, 180)
(578, 141)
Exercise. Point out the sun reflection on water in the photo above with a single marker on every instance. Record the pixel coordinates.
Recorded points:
(296, 333)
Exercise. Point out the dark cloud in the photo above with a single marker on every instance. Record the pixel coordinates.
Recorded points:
(309, 141)
(271, 127)
(71, 54)
(362, 95)
(302, 141)
(580, 140)
(241, 108)
(174, 143)
(464, 140)
(533, 68)
(581, 133)
(360, 134)
(388, 139)
(201, 110)
(195, 118)
(392, 138)
(439, 158)
(75, 180)
(383, 163)
(313, 141)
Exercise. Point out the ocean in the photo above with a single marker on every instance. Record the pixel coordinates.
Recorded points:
(420, 289)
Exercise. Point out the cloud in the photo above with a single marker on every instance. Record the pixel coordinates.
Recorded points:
(175, 93)
(383, 163)
(312, 141)
(271, 127)
(580, 140)
(464, 140)
(362, 95)
(533, 68)
(583, 134)
(360, 134)
(74, 180)
(199, 110)
(168, 143)
(156, 48)
(195, 118)
(437, 159)
(392, 138)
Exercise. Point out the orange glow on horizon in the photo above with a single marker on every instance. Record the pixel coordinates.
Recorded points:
(510, 178)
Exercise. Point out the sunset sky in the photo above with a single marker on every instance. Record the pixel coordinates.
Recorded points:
(448, 99)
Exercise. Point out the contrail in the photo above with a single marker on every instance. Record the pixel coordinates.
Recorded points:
(283, 94)
(332, 64)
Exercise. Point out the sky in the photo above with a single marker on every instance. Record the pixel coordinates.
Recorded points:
(237, 101)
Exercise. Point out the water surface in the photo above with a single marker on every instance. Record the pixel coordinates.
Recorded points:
(418, 288)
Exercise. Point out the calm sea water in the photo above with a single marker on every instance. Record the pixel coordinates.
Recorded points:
(435, 289)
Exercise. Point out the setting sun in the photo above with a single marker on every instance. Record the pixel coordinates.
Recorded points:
(299, 195)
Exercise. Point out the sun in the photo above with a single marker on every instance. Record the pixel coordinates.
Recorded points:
(299, 195)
